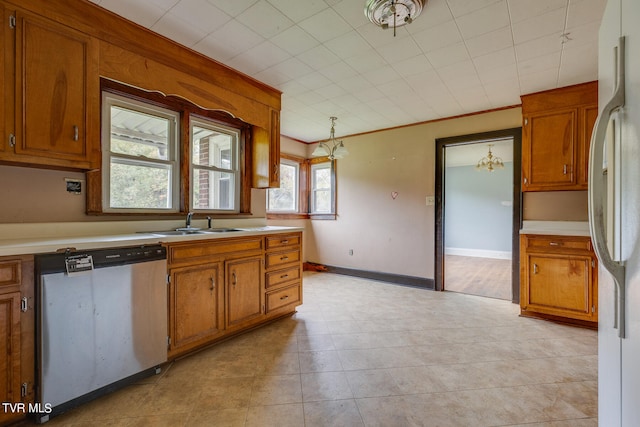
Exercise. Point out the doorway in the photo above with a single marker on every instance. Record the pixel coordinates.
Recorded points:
(484, 258)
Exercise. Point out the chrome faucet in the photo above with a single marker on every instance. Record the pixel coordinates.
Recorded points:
(209, 222)
(188, 223)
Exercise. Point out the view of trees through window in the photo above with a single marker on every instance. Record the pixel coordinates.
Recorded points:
(321, 188)
(285, 198)
(140, 167)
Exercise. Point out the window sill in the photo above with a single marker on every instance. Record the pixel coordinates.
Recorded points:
(274, 215)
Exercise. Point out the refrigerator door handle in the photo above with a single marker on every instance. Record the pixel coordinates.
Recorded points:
(598, 189)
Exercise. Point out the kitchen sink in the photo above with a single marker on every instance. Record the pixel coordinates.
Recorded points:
(221, 230)
(178, 232)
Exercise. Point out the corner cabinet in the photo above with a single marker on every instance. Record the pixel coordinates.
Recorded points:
(53, 79)
(17, 334)
(556, 135)
(559, 278)
(217, 287)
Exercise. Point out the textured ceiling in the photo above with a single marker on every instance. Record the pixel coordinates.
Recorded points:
(457, 57)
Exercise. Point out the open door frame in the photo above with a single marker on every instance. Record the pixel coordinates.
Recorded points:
(441, 144)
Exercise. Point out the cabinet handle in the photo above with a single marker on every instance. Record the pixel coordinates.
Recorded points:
(554, 244)
(75, 133)
(564, 169)
(526, 181)
(284, 257)
(213, 283)
(284, 276)
(535, 268)
(284, 242)
(235, 279)
(284, 297)
(276, 169)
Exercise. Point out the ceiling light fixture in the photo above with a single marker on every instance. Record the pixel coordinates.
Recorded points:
(490, 163)
(332, 148)
(393, 13)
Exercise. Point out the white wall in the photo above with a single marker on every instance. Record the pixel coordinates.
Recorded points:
(386, 234)
(478, 211)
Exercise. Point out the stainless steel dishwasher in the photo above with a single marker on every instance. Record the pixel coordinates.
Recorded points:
(102, 322)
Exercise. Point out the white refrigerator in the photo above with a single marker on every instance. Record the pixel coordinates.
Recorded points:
(614, 214)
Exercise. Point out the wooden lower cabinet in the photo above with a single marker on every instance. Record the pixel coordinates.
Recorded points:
(558, 278)
(17, 337)
(245, 290)
(221, 287)
(195, 314)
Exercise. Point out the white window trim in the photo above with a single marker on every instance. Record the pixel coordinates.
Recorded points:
(235, 166)
(173, 164)
(313, 189)
(296, 190)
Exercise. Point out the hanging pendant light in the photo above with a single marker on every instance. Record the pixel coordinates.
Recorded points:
(393, 13)
(332, 148)
(490, 162)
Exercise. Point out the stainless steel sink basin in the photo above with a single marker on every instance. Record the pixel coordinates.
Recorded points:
(221, 230)
(178, 232)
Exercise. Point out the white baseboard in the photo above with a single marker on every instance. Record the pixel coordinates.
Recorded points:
(479, 253)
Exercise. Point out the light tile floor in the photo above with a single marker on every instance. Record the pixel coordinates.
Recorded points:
(366, 353)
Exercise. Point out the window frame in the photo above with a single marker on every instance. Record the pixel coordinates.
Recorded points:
(296, 190)
(110, 100)
(304, 192)
(96, 180)
(333, 189)
(234, 170)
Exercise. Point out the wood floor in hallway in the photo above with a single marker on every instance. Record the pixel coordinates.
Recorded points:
(487, 277)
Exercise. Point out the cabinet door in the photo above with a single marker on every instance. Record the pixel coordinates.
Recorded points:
(266, 153)
(560, 285)
(245, 290)
(6, 101)
(195, 313)
(10, 351)
(57, 86)
(548, 152)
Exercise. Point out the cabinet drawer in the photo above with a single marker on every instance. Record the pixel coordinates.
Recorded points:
(192, 252)
(281, 258)
(275, 278)
(10, 273)
(556, 242)
(282, 240)
(282, 297)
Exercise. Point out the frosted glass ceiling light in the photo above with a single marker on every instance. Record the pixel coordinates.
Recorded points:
(490, 163)
(393, 13)
(332, 148)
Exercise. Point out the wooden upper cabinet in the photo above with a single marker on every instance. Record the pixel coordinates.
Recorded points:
(6, 101)
(557, 127)
(57, 95)
(266, 153)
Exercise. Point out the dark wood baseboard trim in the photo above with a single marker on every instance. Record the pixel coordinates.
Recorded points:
(558, 319)
(396, 279)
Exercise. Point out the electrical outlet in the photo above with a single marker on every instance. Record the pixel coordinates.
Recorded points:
(431, 200)
(351, 252)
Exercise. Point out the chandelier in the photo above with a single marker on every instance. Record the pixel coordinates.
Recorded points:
(490, 162)
(393, 13)
(332, 148)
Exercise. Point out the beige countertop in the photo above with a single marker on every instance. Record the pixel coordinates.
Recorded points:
(556, 228)
(22, 239)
